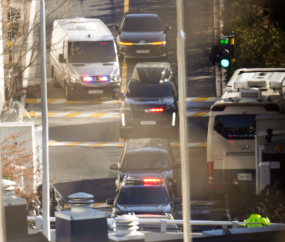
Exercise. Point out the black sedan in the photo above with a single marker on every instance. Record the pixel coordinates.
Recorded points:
(142, 35)
(144, 195)
(148, 157)
(150, 99)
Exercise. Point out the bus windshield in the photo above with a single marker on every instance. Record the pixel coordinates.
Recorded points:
(235, 126)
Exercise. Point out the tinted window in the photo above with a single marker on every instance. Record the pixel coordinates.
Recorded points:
(143, 195)
(137, 89)
(142, 23)
(91, 52)
(235, 126)
(146, 160)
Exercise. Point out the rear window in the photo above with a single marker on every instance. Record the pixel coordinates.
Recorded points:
(235, 126)
(142, 23)
(143, 195)
(91, 52)
(146, 161)
(137, 89)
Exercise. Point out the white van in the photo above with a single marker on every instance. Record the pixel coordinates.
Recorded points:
(84, 58)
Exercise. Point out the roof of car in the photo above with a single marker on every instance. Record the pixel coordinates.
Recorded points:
(150, 72)
(145, 144)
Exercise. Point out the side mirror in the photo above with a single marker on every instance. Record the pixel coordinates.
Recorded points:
(114, 167)
(177, 200)
(110, 201)
(61, 59)
(116, 27)
(167, 27)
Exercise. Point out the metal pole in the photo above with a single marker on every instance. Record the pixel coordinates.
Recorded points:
(45, 135)
(183, 123)
(2, 82)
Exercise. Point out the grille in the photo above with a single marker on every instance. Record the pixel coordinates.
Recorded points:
(258, 84)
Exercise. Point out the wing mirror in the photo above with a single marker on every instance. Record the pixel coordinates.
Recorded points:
(114, 167)
(167, 27)
(110, 201)
(61, 59)
(177, 200)
(116, 27)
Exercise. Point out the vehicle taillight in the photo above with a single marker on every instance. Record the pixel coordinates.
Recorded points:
(156, 110)
(103, 78)
(218, 108)
(87, 78)
(272, 107)
(210, 171)
(152, 180)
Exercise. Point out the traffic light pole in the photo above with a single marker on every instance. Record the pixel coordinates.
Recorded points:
(183, 123)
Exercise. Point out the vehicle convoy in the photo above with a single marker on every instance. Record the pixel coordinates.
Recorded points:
(232, 126)
(150, 99)
(142, 35)
(144, 195)
(84, 58)
(148, 157)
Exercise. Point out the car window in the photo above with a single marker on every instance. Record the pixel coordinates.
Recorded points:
(146, 160)
(142, 23)
(143, 195)
(91, 52)
(137, 89)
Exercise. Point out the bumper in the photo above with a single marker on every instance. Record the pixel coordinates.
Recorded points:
(108, 89)
(143, 51)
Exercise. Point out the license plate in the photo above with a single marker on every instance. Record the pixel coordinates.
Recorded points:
(244, 176)
(148, 122)
(143, 51)
(95, 91)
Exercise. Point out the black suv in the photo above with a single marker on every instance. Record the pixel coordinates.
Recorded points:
(144, 195)
(150, 99)
(142, 35)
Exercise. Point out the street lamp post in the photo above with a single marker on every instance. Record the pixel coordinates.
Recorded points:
(183, 123)
(45, 135)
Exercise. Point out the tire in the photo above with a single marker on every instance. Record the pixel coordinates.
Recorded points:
(55, 82)
(68, 95)
(123, 133)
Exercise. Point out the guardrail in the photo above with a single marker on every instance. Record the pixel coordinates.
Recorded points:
(163, 222)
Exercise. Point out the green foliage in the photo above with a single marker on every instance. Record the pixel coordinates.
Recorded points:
(259, 40)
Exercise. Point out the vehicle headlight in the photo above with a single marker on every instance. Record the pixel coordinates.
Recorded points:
(116, 78)
(74, 79)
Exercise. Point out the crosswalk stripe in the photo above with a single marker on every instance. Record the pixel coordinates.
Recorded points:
(100, 115)
(113, 144)
(64, 101)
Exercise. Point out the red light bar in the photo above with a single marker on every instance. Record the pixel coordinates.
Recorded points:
(155, 110)
(152, 180)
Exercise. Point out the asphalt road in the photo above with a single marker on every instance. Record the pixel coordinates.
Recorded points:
(76, 162)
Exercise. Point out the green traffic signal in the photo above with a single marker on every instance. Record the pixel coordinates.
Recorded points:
(224, 41)
(225, 63)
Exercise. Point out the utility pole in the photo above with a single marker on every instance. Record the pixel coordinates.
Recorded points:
(45, 135)
(183, 123)
(2, 77)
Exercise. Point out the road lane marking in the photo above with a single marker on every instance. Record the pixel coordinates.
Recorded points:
(126, 6)
(75, 114)
(99, 114)
(63, 101)
(113, 144)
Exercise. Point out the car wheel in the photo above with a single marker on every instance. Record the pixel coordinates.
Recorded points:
(123, 134)
(55, 82)
(68, 95)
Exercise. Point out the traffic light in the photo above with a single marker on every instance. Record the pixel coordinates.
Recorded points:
(224, 52)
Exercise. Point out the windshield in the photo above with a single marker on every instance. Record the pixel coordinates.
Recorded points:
(143, 23)
(91, 52)
(143, 195)
(145, 160)
(235, 126)
(137, 89)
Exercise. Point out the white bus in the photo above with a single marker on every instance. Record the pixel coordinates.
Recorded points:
(232, 126)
